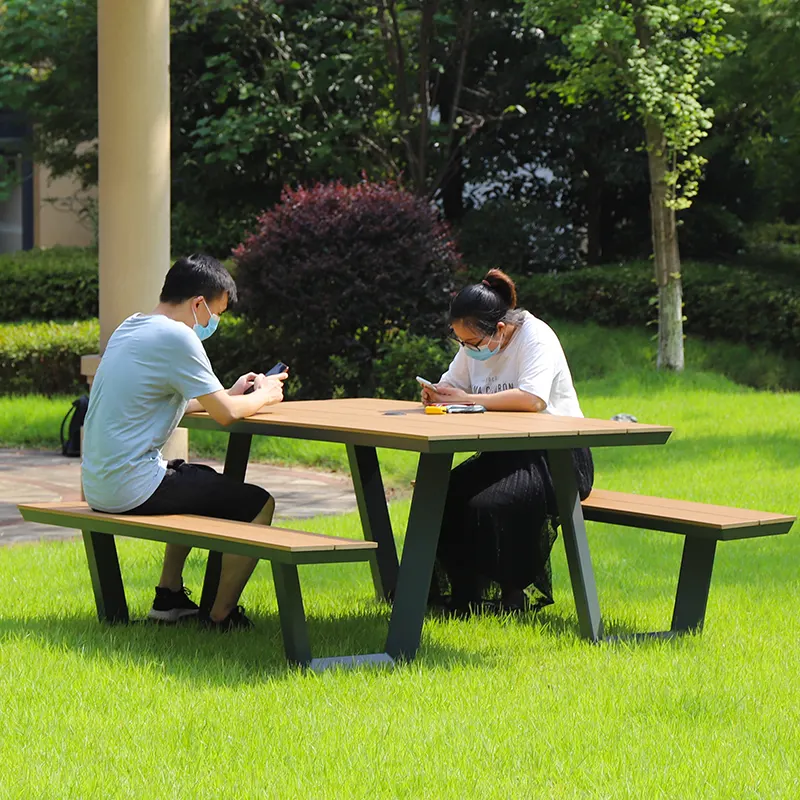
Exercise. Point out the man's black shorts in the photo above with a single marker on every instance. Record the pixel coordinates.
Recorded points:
(199, 489)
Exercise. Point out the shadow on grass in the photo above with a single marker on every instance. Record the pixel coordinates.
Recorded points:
(188, 652)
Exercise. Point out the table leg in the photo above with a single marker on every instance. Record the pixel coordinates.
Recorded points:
(419, 552)
(694, 582)
(109, 593)
(291, 613)
(374, 513)
(576, 544)
(236, 458)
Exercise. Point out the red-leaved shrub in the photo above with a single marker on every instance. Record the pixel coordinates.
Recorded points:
(335, 268)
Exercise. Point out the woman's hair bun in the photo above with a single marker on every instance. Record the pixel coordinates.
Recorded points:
(501, 284)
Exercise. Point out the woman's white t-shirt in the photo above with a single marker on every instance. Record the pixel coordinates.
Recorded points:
(533, 361)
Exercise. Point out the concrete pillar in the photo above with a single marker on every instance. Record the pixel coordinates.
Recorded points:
(134, 186)
(134, 117)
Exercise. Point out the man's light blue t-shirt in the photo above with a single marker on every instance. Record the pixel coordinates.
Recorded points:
(151, 368)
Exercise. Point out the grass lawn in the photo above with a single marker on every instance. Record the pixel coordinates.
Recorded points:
(493, 707)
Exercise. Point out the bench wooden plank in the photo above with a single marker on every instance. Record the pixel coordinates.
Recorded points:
(80, 516)
(644, 509)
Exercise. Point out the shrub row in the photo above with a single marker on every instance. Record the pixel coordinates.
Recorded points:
(44, 358)
(58, 283)
(724, 303)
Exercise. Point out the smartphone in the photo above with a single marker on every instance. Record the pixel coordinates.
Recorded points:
(277, 369)
(274, 370)
(427, 384)
(465, 408)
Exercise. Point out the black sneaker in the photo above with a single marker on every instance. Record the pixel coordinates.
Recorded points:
(235, 621)
(172, 606)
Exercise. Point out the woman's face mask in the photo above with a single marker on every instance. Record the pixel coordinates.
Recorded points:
(484, 352)
(204, 331)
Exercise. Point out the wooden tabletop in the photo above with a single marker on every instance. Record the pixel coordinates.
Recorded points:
(365, 421)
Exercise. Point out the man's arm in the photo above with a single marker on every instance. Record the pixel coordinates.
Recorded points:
(225, 408)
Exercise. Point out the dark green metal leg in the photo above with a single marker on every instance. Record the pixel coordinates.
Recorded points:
(237, 455)
(419, 552)
(109, 593)
(573, 529)
(375, 522)
(236, 458)
(694, 582)
(292, 615)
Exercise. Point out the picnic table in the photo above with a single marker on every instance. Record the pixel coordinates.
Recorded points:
(364, 424)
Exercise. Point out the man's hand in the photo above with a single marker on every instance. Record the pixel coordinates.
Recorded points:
(242, 384)
(226, 408)
(273, 384)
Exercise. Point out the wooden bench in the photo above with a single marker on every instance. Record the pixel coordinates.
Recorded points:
(285, 549)
(703, 526)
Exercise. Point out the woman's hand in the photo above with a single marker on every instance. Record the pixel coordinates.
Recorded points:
(443, 393)
(242, 384)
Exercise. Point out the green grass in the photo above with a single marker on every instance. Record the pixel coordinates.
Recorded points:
(493, 707)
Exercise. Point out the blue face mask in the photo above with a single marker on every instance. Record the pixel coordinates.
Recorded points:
(204, 331)
(484, 352)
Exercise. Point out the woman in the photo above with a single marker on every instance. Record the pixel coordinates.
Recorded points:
(500, 514)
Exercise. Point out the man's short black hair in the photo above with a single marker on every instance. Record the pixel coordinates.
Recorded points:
(196, 275)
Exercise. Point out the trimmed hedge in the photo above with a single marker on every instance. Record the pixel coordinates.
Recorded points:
(57, 283)
(720, 302)
(45, 357)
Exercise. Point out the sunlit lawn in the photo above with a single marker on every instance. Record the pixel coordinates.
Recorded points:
(493, 707)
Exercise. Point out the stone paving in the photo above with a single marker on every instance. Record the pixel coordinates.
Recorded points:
(33, 476)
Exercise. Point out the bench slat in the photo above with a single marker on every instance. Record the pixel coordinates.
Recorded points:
(659, 510)
(80, 516)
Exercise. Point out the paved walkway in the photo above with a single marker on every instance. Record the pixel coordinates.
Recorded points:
(31, 476)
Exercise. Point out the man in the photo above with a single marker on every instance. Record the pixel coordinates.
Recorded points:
(153, 371)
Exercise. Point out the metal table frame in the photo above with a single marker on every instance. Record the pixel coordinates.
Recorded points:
(408, 582)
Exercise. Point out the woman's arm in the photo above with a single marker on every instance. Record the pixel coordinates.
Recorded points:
(507, 400)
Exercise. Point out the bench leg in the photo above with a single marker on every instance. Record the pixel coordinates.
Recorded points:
(694, 582)
(211, 580)
(236, 458)
(109, 593)
(292, 615)
(576, 544)
(374, 513)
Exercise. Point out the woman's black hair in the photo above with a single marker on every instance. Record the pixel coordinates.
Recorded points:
(483, 305)
(197, 275)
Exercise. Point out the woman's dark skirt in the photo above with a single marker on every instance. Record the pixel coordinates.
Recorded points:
(499, 527)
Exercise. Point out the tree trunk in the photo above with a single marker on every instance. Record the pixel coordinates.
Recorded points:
(667, 257)
(594, 216)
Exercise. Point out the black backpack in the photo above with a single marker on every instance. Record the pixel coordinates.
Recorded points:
(71, 445)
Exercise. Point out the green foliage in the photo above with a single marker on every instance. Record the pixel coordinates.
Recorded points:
(756, 96)
(57, 283)
(335, 269)
(728, 304)
(651, 59)
(521, 238)
(44, 357)
(403, 356)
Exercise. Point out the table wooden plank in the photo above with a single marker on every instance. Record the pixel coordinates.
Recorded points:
(366, 416)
